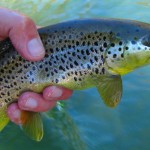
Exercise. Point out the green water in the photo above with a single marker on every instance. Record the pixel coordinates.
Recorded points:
(84, 122)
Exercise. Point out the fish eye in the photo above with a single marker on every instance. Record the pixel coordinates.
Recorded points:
(146, 41)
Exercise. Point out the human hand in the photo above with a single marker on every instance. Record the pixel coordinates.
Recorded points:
(24, 36)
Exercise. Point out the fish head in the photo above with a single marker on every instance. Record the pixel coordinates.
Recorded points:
(131, 51)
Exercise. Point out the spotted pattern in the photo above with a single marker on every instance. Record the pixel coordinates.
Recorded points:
(76, 53)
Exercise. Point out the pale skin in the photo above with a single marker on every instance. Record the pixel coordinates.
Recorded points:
(23, 33)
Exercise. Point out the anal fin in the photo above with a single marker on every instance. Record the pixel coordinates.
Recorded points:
(110, 89)
(32, 125)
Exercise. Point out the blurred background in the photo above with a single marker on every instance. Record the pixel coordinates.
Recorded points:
(84, 122)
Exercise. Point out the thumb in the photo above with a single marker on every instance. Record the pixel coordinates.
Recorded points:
(23, 34)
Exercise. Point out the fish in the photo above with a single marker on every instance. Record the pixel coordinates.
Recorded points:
(80, 54)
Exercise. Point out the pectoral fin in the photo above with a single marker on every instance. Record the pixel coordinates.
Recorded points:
(110, 89)
(32, 125)
(3, 118)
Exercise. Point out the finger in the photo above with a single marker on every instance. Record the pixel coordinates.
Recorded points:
(23, 34)
(56, 93)
(34, 102)
(14, 113)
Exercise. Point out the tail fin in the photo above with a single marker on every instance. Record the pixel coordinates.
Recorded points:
(32, 125)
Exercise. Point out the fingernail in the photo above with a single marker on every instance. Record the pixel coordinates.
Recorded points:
(17, 114)
(30, 103)
(55, 92)
(35, 47)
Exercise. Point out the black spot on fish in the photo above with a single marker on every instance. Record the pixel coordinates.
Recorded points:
(46, 55)
(56, 80)
(73, 54)
(51, 50)
(84, 57)
(127, 48)
(77, 43)
(75, 78)
(69, 52)
(83, 44)
(2, 70)
(65, 55)
(80, 73)
(70, 36)
(69, 46)
(67, 67)
(75, 62)
(87, 52)
(33, 68)
(91, 61)
(62, 60)
(52, 73)
(103, 70)
(114, 56)
(76, 73)
(92, 49)
(81, 33)
(63, 77)
(95, 58)
(96, 70)
(96, 43)
(60, 41)
(80, 79)
(89, 36)
(122, 55)
(46, 69)
(53, 42)
(71, 66)
(61, 68)
(105, 45)
(78, 56)
(49, 64)
(120, 49)
(55, 71)
(112, 45)
(88, 43)
(110, 32)
(120, 43)
(70, 59)
(96, 51)
(30, 73)
(95, 32)
(88, 66)
(104, 38)
(82, 52)
(93, 38)
(57, 57)
(133, 42)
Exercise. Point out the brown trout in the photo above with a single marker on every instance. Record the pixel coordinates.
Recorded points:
(79, 54)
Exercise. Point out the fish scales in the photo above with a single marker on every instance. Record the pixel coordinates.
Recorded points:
(71, 57)
(79, 54)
